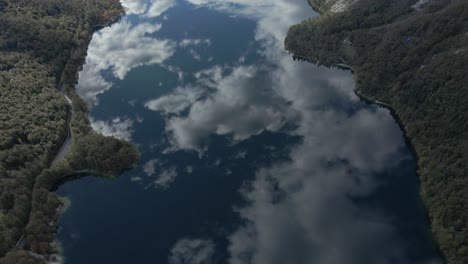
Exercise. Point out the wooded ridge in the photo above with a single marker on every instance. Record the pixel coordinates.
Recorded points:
(43, 44)
(413, 56)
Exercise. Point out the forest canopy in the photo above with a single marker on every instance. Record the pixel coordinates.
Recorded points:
(413, 56)
(43, 44)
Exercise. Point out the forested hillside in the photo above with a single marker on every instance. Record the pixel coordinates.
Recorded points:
(413, 56)
(43, 44)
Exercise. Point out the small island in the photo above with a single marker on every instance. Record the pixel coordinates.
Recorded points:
(410, 56)
(45, 136)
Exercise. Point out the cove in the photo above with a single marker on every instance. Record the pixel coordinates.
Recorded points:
(247, 156)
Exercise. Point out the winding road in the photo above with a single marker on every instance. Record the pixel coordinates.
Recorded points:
(69, 141)
(61, 154)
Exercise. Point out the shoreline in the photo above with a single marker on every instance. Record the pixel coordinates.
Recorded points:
(416, 157)
(57, 256)
(394, 113)
(67, 145)
(67, 84)
(363, 98)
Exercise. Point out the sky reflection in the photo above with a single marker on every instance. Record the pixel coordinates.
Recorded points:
(316, 206)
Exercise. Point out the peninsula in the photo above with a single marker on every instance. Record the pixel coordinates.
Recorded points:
(45, 136)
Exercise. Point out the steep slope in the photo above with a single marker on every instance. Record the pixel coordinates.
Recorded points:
(412, 56)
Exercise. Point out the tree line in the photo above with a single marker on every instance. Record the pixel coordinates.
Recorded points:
(414, 59)
(44, 43)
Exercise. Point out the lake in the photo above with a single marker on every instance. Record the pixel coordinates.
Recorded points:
(247, 156)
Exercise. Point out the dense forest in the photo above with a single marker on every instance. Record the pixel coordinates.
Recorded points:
(413, 56)
(43, 44)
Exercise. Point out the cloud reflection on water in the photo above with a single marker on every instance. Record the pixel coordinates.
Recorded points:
(238, 106)
(302, 210)
(120, 128)
(193, 251)
(121, 48)
(299, 211)
(152, 8)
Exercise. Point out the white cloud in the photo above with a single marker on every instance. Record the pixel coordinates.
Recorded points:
(195, 55)
(158, 7)
(192, 251)
(165, 178)
(150, 167)
(241, 154)
(306, 201)
(151, 8)
(236, 107)
(132, 102)
(91, 84)
(123, 47)
(176, 102)
(300, 210)
(273, 18)
(120, 48)
(140, 119)
(136, 179)
(194, 42)
(134, 6)
(120, 128)
(176, 70)
(198, 2)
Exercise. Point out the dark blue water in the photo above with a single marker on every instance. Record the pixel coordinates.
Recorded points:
(246, 155)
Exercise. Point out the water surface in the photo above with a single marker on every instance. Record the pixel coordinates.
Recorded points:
(246, 155)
